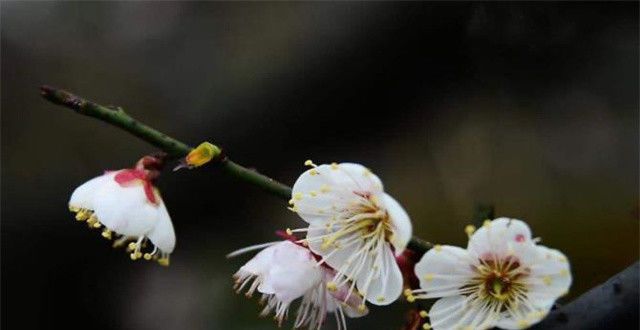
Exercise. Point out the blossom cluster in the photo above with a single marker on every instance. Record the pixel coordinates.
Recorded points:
(356, 235)
(350, 252)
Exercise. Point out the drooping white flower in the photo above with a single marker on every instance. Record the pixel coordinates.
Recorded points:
(355, 226)
(285, 271)
(503, 279)
(127, 204)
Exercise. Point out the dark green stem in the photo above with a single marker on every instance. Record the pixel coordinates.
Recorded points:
(175, 148)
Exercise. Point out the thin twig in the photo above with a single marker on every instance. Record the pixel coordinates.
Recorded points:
(175, 148)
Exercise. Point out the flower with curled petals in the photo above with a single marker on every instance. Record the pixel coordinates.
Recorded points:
(127, 204)
(354, 226)
(284, 272)
(503, 279)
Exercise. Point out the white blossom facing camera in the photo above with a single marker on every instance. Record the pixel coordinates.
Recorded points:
(285, 271)
(354, 226)
(503, 279)
(130, 208)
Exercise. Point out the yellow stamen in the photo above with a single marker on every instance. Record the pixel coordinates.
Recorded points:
(106, 233)
(424, 314)
(469, 230)
(426, 326)
(163, 261)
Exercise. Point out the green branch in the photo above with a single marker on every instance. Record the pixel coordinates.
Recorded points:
(175, 148)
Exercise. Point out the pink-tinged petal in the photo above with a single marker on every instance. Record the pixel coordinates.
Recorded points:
(291, 273)
(443, 270)
(400, 223)
(500, 238)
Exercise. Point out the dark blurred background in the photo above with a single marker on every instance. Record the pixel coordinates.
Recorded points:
(530, 106)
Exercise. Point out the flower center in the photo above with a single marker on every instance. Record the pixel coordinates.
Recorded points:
(366, 217)
(500, 281)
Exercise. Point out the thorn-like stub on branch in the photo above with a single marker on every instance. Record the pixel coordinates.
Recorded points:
(62, 97)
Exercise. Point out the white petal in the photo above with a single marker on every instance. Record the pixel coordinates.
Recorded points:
(163, 235)
(125, 210)
(82, 197)
(399, 221)
(336, 255)
(259, 263)
(457, 312)
(525, 316)
(387, 286)
(550, 277)
(443, 270)
(291, 273)
(321, 191)
(503, 237)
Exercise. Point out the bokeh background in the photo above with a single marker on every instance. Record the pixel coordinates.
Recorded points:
(530, 106)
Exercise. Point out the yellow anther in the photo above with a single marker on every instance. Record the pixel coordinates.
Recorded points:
(438, 247)
(96, 224)
(407, 292)
(82, 215)
(291, 202)
(324, 188)
(380, 298)
(428, 277)
(163, 261)
(135, 255)
(289, 231)
(202, 154)
(313, 193)
(293, 209)
(309, 162)
(547, 280)
(411, 298)
(486, 223)
(362, 308)
(334, 166)
(106, 233)
(132, 246)
(313, 172)
(424, 314)
(426, 326)
(470, 229)
(366, 172)
(298, 196)
(74, 209)
(147, 256)
(523, 324)
(331, 286)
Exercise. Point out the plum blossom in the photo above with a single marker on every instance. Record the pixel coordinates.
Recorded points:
(354, 226)
(285, 271)
(503, 279)
(129, 207)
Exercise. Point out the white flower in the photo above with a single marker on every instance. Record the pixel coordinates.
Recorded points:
(129, 206)
(284, 272)
(503, 279)
(355, 226)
